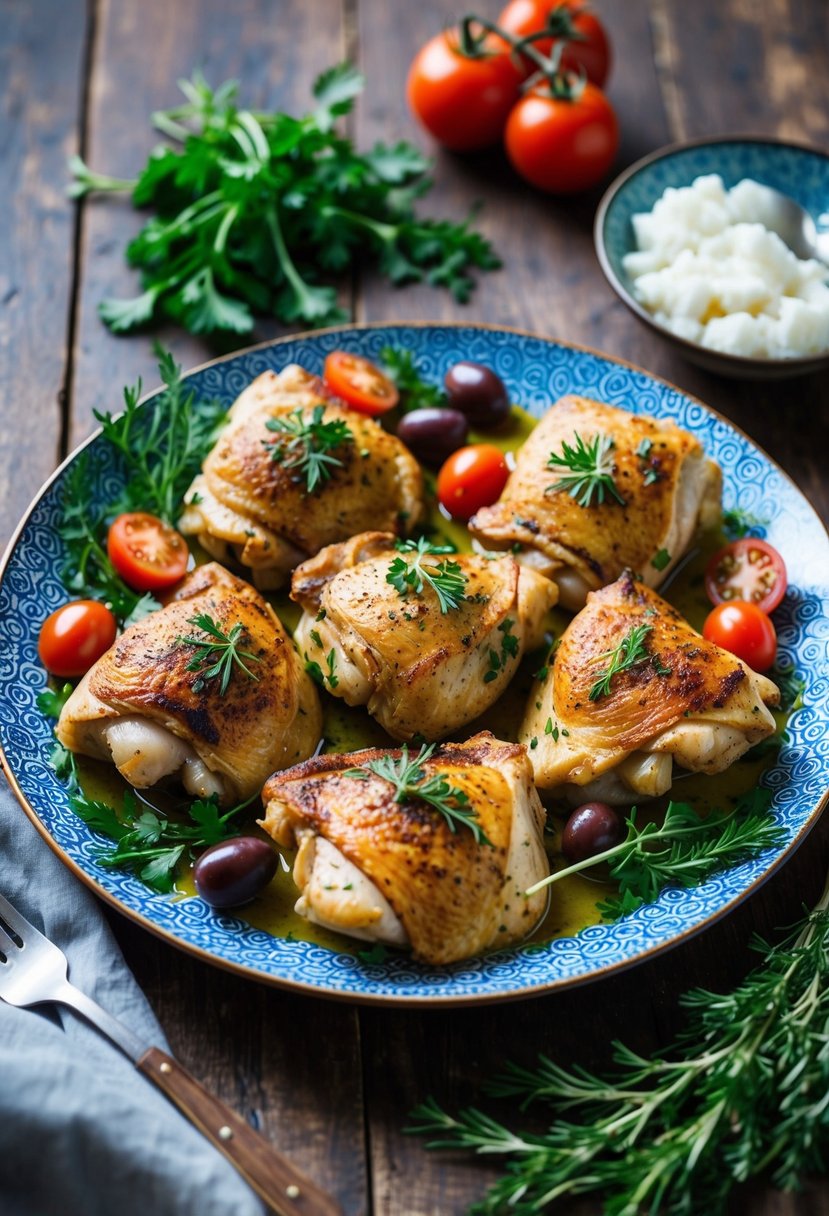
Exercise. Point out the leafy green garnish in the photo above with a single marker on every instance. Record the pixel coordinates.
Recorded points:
(661, 559)
(446, 578)
(218, 653)
(253, 210)
(630, 652)
(590, 467)
(51, 701)
(307, 445)
(415, 393)
(410, 781)
(738, 523)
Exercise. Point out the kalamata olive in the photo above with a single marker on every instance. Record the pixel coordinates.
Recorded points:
(591, 829)
(232, 872)
(433, 434)
(478, 393)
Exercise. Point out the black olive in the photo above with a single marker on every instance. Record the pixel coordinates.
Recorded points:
(591, 829)
(234, 871)
(433, 434)
(478, 393)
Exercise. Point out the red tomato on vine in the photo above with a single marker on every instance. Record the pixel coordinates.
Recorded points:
(562, 144)
(592, 49)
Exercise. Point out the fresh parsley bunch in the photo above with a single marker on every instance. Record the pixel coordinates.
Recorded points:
(256, 213)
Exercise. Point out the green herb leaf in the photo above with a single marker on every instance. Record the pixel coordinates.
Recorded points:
(661, 559)
(591, 470)
(738, 523)
(409, 778)
(51, 701)
(415, 393)
(630, 652)
(307, 445)
(218, 653)
(446, 578)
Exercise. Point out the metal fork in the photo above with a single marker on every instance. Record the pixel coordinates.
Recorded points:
(33, 971)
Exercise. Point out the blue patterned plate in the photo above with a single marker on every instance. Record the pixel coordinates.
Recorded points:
(536, 371)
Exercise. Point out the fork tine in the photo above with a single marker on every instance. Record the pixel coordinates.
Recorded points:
(16, 927)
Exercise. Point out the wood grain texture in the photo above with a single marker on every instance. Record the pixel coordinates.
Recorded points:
(41, 84)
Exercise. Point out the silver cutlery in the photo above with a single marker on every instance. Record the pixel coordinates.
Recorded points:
(34, 971)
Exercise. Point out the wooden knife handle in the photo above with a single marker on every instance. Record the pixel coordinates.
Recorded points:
(287, 1191)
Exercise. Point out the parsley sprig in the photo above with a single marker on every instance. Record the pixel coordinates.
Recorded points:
(410, 781)
(258, 212)
(218, 653)
(590, 468)
(739, 1095)
(630, 652)
(446, 578)
(307, 444)
(415, 392)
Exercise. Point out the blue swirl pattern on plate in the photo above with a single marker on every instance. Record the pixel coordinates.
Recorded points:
(536, 371)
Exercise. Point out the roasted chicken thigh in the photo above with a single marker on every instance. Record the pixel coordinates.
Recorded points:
(151, 706)
(391, 870)
(657, 487)
(418, 666)
(293, 471)
(634, 689)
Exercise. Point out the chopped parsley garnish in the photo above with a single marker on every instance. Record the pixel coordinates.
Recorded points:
(661, 559)
(590, 468)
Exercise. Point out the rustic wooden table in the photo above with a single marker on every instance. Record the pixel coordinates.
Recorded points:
(331, 1083)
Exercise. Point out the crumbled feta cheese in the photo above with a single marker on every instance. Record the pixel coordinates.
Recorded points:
(708, 269)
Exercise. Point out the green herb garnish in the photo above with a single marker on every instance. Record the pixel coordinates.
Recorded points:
(410, 781)
(630, 652)
(218, 653)
(591, 470)
(446, 578)
(738, 523)
(661, 559)
(415, 393)
(252, 210)
(306, 445)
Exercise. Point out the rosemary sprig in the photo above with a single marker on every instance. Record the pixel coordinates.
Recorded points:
(410, 781)
(590, 470)
(446, 578)
(741, 1093)
(630, 652)
(684, 849)
(310, 444)
(217, 654)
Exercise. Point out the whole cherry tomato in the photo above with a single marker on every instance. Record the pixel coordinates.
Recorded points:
(360, 384)
(148, 554)
(744, 630)
(473, 477)
(747, 569)
(463, 101)
(562, 144)
(591, 52)
(75, 636)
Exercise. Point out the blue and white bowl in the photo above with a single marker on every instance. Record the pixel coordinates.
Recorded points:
(796, 170)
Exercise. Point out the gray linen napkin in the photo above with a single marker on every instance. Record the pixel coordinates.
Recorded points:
(81, 1131)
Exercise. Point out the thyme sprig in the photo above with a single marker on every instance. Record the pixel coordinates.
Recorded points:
(307, 444)
(590, 468)
(410, 781)
(446, 578)
(218, 653)
(630, 652)
(684, 849)
(741, 1093)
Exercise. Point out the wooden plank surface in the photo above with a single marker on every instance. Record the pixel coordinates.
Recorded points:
(41, 87)
(330, 1084)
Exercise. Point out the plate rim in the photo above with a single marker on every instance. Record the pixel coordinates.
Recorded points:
(366, 997)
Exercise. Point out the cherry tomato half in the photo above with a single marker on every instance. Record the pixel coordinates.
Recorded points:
(747, 569)
(591, 52)
(744, 630)
(473, 477)
(562, 144)
(148, 554)
(75, 636)
(463, 102)
(360, 384)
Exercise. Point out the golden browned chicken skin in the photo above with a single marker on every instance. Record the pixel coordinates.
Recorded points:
(251, 504)
(417, 670)
(376, 869)
(686, 700)
(660, 472)
(140, 707)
